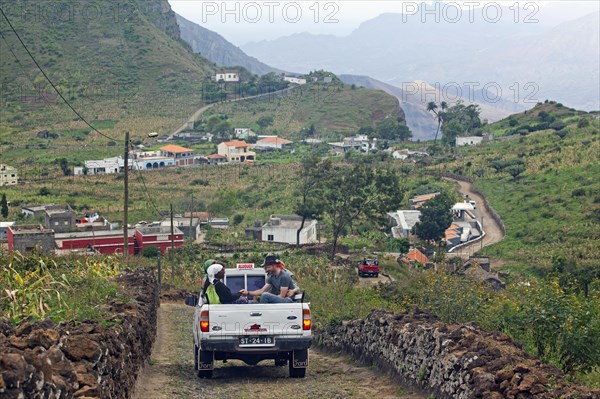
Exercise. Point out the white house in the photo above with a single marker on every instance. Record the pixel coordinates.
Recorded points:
(283, 228)
(469, 140)
(405, 153)
(403, 222)
(293, 79)
(102, 166)
(8, 175)
(273, 143)
(244, 133)
(228, 76)
(236, 151)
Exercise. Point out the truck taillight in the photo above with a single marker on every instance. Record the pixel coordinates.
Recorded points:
(204, 321)
(306, 321)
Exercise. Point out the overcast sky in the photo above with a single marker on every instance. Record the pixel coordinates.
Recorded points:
(244, 21)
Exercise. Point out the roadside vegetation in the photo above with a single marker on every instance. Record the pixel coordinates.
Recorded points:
(60, 288)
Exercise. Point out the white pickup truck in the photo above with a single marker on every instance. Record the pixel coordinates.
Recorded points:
(251, 332)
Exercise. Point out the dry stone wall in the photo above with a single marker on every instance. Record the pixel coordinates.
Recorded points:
(86, 359)
(454, 361)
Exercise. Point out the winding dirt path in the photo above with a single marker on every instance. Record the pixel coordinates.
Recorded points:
(493, 232)
(170, 372)
(199, 112)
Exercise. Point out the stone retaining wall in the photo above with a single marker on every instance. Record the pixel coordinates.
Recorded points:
(454, 361)
(87, 359)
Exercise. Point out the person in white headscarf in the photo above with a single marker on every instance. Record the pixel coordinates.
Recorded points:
(215, 274)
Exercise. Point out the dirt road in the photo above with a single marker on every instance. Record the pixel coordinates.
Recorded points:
(170, 372)
(196, 115)
(493, 232)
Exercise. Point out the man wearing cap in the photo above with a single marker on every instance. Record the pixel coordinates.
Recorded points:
(279, 285)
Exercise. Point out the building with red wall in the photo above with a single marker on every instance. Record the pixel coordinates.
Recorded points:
(158, 237)
(104, 242)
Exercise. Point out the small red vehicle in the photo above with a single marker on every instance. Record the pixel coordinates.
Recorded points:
(368, 267)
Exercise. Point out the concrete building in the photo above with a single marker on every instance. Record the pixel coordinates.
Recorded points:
(470, 140)
(283, 229)
(269, 143)
(8, 175)
(101, 166)
(158, 237)
(187, 227)
(215, 159)
(403, 221)
(183, 156)
(4, 230)
(104, 242)
(295, 80)
(27, 238)
(34, 210)
(59, 218)
(227, 76)
(236, 151)
(243, 133)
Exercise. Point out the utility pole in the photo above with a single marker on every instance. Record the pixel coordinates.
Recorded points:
(172, 247)
(192, 217)
(481, 247)
(126, 199)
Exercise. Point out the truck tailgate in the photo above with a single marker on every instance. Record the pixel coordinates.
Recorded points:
(255, 319)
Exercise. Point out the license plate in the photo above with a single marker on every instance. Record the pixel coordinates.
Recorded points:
(257, 341)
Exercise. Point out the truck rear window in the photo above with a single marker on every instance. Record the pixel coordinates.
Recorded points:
(255, 282)
(235, 283)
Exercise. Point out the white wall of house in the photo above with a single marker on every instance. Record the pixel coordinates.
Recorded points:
(227, 77)
(471, 140)
(288, 234)
(8, 175)
(292, 79)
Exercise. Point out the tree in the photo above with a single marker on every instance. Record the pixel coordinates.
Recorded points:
(309, 190)
(357, 193)
(392, 129)
(432, 107)
(515, 170)
(64, 166)
(436, 217)
(4, 206)
(264, 122)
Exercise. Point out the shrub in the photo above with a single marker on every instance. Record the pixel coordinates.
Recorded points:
(583, 122)
(44, 191)
(151, 252)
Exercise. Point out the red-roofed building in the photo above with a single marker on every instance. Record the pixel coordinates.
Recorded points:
(215, 159)
(418, 201)
(183, 156)
(415, 256)
(236, 151)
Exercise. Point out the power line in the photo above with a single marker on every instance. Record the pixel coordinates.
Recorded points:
(22, 67)
(50, 82)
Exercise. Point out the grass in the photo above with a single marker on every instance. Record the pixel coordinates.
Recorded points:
(551, 209)
(336, 110)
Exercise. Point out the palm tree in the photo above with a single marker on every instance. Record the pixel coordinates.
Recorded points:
(431, 107)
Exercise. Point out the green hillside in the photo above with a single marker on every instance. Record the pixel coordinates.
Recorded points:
(545, 186)
(547, 115)
(334, 109)
(117, 61)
